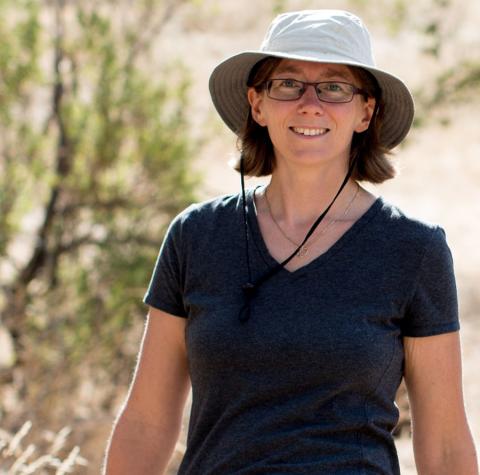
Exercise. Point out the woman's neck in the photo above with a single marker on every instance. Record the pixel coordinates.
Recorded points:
(298, 197)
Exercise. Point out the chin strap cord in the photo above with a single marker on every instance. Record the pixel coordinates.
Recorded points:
(250, 288)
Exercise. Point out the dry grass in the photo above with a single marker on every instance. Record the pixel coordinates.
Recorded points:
(50, 455)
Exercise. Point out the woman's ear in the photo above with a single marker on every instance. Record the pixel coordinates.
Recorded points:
(368, 109)
(256, 105)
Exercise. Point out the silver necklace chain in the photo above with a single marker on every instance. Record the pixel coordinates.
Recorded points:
(303, 251)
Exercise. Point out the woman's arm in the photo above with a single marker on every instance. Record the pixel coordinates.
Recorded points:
(148, 425)
(442, 440)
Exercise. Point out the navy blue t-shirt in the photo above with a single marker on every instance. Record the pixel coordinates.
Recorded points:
(307, 385)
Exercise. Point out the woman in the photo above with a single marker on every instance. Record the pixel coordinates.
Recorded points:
(295, 309)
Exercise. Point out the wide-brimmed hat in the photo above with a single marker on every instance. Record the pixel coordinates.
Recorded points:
(324, 36)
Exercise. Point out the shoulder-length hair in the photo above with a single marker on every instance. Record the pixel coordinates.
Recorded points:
(372, 162)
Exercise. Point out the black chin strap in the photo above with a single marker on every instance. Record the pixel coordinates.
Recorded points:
(250, 288)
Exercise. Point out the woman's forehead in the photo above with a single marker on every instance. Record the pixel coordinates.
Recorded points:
(310, 68)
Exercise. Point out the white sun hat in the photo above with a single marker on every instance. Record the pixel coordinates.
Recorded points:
(324, 36)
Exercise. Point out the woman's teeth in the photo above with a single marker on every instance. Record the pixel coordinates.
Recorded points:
(309, 132)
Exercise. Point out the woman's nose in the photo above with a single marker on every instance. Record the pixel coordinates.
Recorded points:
(310, 101)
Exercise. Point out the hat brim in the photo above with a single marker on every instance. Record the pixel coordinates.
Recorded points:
(228, 88)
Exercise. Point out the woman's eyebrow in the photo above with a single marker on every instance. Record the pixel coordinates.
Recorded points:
(326, 74)
(288, 69)
(332, 73)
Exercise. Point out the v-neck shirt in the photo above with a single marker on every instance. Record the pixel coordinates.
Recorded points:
(307, 384)
(270, 261)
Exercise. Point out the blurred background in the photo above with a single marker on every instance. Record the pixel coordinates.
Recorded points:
(107, 131)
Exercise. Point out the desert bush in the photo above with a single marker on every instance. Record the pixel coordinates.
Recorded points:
(95, 160)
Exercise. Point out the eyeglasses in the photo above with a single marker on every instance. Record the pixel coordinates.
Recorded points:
(327, 91)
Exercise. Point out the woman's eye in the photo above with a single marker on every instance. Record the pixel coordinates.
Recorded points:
(289, 83)
(334, 87)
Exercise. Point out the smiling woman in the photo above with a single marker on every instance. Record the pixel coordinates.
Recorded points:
(372, 163)
(295, 309)
(287, 112)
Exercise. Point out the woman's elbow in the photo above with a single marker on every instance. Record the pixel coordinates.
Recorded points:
(456, 457)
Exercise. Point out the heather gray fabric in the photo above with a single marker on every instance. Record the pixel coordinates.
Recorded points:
(307, 385)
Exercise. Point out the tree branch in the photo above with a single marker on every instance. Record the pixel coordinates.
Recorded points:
(148, 31)
(63, 162)
(108, 205)
(89, 240)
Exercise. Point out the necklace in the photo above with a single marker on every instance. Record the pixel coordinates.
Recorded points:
(303, 251)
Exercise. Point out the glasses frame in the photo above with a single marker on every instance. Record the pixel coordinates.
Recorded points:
(355, 90)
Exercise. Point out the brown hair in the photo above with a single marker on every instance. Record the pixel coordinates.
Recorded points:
(372, 162)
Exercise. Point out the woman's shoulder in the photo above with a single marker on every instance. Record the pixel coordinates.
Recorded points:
(210, 212)
(405, 226)
(210, 207)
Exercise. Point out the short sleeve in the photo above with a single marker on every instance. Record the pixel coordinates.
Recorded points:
(165, 289)
(433, 307)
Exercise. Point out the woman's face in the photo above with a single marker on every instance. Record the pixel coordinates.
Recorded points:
(307, 131)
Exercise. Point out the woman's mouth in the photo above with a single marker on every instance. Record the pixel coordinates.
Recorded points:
(309, 132)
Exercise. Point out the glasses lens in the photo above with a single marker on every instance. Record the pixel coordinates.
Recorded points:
(328, 91)
(285, 89)
(333, 91)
